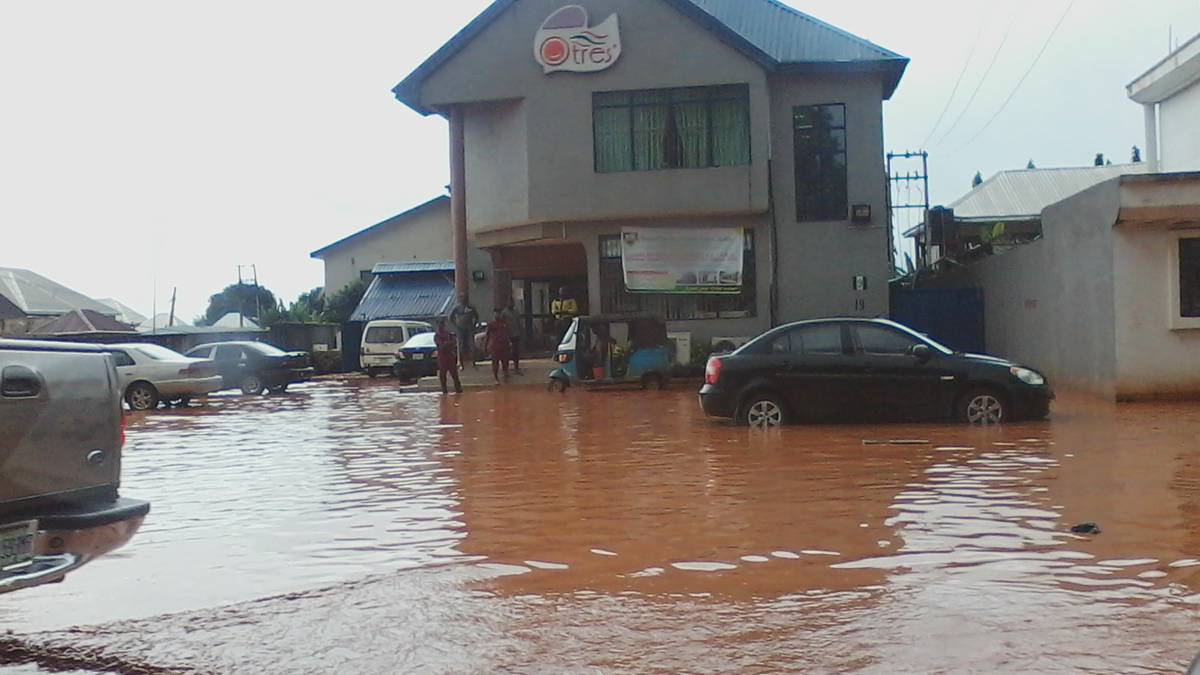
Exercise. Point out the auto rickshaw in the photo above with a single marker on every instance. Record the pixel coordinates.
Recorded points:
(613, 349)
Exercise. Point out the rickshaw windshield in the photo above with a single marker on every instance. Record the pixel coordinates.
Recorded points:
(568, 338)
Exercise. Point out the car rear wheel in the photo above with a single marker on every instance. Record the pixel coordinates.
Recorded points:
(763, 411)
(281, 389)
(983, 406)
(252, 384)
(142, 396)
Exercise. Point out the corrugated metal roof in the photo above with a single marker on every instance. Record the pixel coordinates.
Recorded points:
(125, 313)
(778, 37)
(83, 322)
(406, 296)
(414, 267)
(1025, 193)
(34, 294)
(788, 35)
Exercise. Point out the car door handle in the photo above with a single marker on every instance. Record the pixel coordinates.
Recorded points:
(20, 382)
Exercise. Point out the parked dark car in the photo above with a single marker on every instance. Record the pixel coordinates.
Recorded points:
(417, 358)
(61, 434)
(866, 369)
(255, 367)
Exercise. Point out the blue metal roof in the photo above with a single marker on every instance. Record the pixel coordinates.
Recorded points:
(406, 296)
(776, 36)
(414, 267)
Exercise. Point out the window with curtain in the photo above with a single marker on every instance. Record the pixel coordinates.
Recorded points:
(615, 298)
(687, 128)
(819, 138)
(1189, 278)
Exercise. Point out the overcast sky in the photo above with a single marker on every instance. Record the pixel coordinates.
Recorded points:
(153, 144)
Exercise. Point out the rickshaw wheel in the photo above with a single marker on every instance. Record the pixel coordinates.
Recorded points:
(558, 385)
(654, 381)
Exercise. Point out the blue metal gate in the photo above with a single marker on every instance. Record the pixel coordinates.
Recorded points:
(952, 316)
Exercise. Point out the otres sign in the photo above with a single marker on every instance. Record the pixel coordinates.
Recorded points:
(700, 260)
(566, 42)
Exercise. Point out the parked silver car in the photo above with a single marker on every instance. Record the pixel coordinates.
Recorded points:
(150, 374)
(61, 433)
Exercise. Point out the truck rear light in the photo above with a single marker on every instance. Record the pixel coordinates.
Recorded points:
(712, 372)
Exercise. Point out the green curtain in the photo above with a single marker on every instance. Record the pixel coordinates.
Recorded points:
(691, 131)
(612, 140)
(730, 133)
(649, 135)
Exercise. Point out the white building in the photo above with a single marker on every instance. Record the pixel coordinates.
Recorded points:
(1170, 94)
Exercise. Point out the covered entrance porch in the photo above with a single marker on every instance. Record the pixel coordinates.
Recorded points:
(534, 275)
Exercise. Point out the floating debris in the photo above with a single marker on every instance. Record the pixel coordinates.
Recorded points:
(1086, 528)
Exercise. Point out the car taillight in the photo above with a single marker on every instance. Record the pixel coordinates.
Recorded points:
(712, 372)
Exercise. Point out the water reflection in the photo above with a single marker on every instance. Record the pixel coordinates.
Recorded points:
(522, 530)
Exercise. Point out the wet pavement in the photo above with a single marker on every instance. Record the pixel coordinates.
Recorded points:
(351, 527)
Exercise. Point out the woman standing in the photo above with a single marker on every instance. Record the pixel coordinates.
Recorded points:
(499, 343)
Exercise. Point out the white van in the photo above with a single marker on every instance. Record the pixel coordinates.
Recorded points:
(383, 339)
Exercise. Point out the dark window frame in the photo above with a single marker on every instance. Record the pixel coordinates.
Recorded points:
(1189, 277)
(675, 96)
(809, 208)
(615, 298)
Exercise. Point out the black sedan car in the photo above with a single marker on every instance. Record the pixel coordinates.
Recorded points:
(255, 367)
(416, 359)
(837, 369)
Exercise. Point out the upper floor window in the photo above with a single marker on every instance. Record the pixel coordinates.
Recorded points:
(688, 128)
(819, 139)
(1189, 277)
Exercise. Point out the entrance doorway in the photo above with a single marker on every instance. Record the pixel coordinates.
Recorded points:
(536, 274)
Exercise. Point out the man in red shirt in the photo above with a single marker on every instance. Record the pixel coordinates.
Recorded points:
(499, 343)
(447, 356)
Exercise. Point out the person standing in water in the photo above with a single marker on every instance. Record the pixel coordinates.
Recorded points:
(465, 318)
(515, 327)
(447, 356)
(499, 342)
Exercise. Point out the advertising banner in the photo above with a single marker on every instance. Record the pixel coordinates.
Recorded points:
(677, 260)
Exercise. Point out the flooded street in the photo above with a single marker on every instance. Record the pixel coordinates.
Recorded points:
(349, 527)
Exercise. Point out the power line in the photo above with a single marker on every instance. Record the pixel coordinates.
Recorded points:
(954, 92)
(982, 81)
(1045, 46)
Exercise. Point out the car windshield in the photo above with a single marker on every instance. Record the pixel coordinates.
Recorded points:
(266, 349)
(385, 335)
(422, 340)
(159, 353)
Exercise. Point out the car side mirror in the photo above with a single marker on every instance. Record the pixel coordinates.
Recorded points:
(923, 353)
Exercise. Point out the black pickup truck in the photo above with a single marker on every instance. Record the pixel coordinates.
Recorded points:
(61, 434)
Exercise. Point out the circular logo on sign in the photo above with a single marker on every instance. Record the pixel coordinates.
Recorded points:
(554, 51)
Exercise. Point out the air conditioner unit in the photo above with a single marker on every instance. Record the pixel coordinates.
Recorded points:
(683, 347)
(728, 344)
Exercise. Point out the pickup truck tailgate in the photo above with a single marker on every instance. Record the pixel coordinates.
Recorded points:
(60, 422)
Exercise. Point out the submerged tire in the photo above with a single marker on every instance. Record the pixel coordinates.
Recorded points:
(763, 411)
(654, 381)
(983, 406)
(252, 384)
(142, 396)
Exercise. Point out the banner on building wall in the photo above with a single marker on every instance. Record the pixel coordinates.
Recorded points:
(566, 42)
(679, 260)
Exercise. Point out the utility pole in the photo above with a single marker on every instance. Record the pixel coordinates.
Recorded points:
(171, 320)
(908, 179)
(257, 307)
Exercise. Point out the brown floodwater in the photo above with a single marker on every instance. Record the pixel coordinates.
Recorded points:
(352, 527)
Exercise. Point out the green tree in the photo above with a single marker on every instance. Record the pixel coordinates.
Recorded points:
(1099, 159)
(1136, 158)
(1031, 165)
(342, 304)
(242, 298)
(977, 180)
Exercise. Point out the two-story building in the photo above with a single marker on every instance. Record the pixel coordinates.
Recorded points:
(717, 162)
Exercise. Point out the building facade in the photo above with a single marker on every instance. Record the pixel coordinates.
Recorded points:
(581, 132)
(1170, 95)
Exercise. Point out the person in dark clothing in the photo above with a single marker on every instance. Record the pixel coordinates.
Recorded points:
(464, 318)
(447, 356)
(516, 328)
(499, 342)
